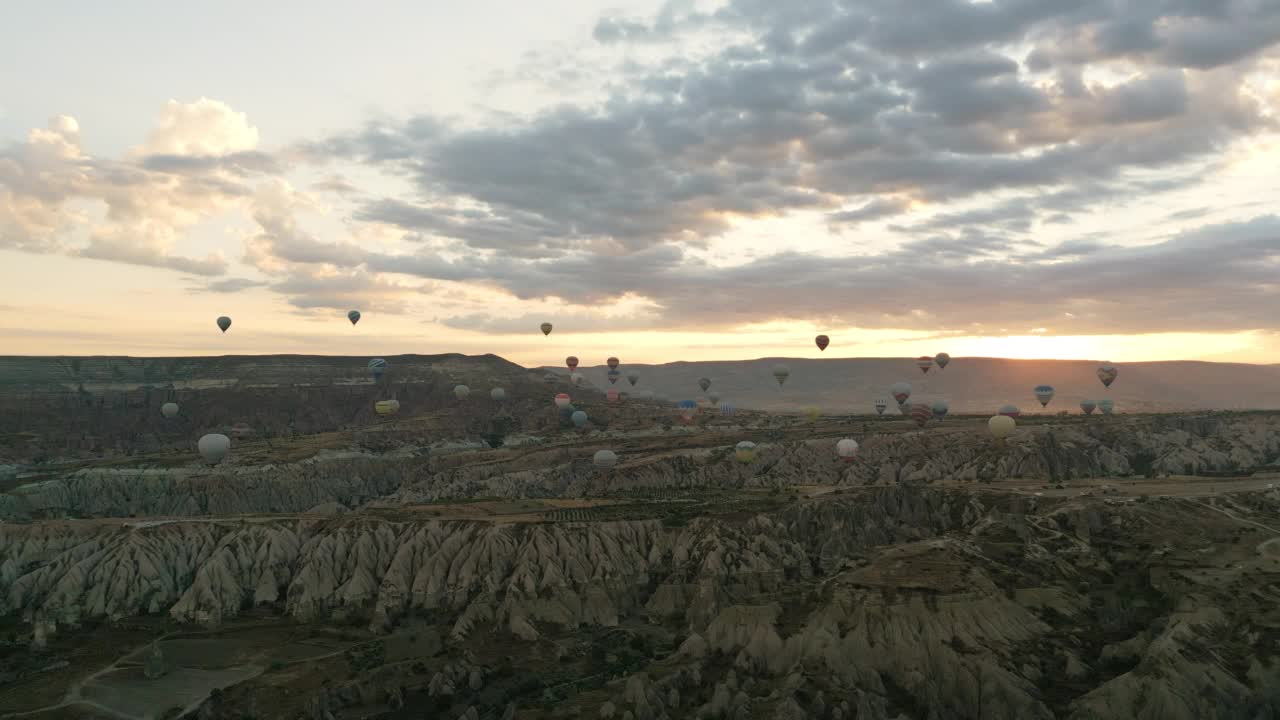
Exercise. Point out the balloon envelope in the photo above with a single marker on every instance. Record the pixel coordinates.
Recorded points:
(704, 383)
(169, 409)
(881, 406)
(781, 373)
(224, 322)
(900, 391)
(745, 451)
(612, 395)
(1107, 406)
(1044, 393)
(612, 363)
(571, 362)
(1010, 411)
(605, 459)
(714, 397)
(579, 418)
(633, 378)
(549, 378)
(940, 408)
(613, 376)
(921, 414)
(575, 378)
(1001, 426)
(924, 362)
(562, 400)
(942, 359)
(1088, 406)
(498, 394)
(847, 449)
(822, 341)
(546, 328)
(354, 316)
(378, 366)
(386, 407)
(726, 409)
(214, 447)
(461, 391)
(1107, 373)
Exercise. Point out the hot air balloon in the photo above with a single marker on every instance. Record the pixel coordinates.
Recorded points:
(1010, 411)
(605, 460)
(822, 341)
(1001, 426)
(546, 328)
(847, 449)
(354, 316)
(497, 394)
(812, 413)
(940, 408)
(378, 366)
(688, 408)
(781, 373)
(904, 407)
(745, 451)
(942, 359)
(549, 378)
(562, 401)
(714, 397)
(613, 376)
(612, 363)
(1107, 406)
(1107, 374)
(575, 378)
(1044, 393)
(900, 391)
(579, 418)
(572, 362)
(1088, 406)
(214, 447)
(924, 362)
(461, 391)
(169, 409)
(633, 378)
(241, 430)
(386, 407)
(726, 409)
(881, 406)
(224, 322)
(613, 395)
(921, 414)
(704, 383)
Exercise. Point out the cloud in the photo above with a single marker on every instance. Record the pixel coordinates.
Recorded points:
(56, 198)
(228, 285)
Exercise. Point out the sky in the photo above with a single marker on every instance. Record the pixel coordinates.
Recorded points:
(679, 180)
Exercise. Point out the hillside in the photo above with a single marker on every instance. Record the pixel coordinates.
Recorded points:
(970, 385)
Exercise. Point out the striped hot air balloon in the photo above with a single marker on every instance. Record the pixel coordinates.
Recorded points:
(921, 414)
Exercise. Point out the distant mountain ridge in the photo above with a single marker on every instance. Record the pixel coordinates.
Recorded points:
(968, 384)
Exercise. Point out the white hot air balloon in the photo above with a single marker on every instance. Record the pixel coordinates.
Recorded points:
(940, 408)
(901, 391)
(169, 409)
(214, 447)
(497, 394)
(1001, 426)
(847, 449)
(881, 406)
(575, 378)
(1044, 393)
(562, 400)
(605, 459)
